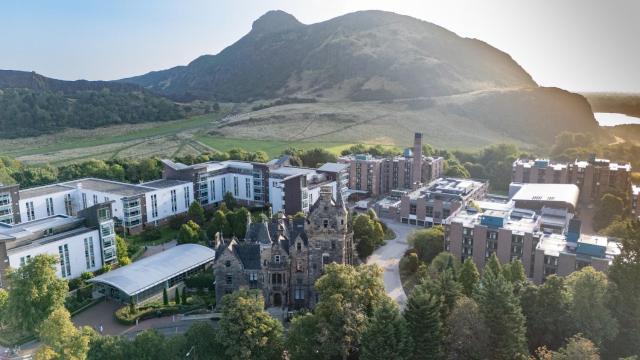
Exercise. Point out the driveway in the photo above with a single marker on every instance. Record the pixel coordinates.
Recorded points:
(388, 258)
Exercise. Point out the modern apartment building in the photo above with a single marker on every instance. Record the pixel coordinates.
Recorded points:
(135, 205)
(440, 200)
(593, 177)
(564, 254)
(380, 175)
(9, 209)
(81, 243)
(286, 188)
(547, 242)
(497, 228)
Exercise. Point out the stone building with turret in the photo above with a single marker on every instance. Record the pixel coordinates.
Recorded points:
(284, 257)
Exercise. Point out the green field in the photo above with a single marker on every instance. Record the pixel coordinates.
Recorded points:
(272, 147)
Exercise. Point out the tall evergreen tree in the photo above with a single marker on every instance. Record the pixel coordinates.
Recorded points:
(514, 272)
(502, 314)
(423, 321)
(386, 336)
(165, 297)
(547, 312)
(493, 265)
(447, 290)
(469, 276)
(466, 332)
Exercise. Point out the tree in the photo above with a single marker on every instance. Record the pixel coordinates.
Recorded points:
(122, 251)
(428, 242)
(149, 345)
(444, 261)
(220, 224)
(176, 296)
(303, 340)
(547, 312)
(189, 233)
(503, 316)
(609, 208)
(108, 348)
(4, 304)
(514, 272)
(362, 285)
(469, 276)
(61, 338)
(202, 340)
(316, 157)
(577, 348)
(165, 297)
(423, 321)
(493, 265)
(587, 291)
(466, 332)
(386, 337)
(35, 292)
(238, 222)
(341, 323)
(246, 331)
(183, 296)
(447, 290)
(365, 236)
(230, 201)
(624, 293)
(196, 213)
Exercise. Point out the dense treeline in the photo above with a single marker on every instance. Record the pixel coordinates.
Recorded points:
(26, 112)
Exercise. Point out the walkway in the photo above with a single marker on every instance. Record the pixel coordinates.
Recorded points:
(388, 258)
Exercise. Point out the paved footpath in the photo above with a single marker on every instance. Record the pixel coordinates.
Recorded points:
(388, 258)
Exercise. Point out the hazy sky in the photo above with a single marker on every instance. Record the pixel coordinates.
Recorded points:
(591, 45)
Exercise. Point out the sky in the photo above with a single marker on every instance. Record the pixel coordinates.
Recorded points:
(578, 45)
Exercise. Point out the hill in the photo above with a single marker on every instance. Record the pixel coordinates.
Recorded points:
(367, 55)
(623, 103)
(11, 79)
(32, 104)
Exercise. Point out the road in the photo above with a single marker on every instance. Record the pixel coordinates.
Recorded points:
(388, 258)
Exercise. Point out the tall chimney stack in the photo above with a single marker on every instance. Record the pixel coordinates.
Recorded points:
(416, 168)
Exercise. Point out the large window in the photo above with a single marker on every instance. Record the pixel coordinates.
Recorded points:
(235, 186)
(88, 253)
(187, 197)
(247, 188)
(31, 215)
(213, 189)
(65, 264)
(174, 201)
(84, 200)
(154, 205)
(49, 202)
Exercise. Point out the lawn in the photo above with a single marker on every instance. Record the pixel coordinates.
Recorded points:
(272, 147)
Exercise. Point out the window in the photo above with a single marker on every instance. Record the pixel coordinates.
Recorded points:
(229, 279)
(84, 200)
(154, 205)
(276, 278)
(299, 293)
(174, 201)
(67, 204)
(25, 260)
(187, 197)
(276, 259)
(235, 186)
(325, 223)
(429, 211)
(31, 215)
(224, 186)
(213, 189)
(88, 253)
(95, 199)
(253, 276)
(65, 264)
(247, 188)
(299, 266)
(104, 214)
(333, 245)
(49, 202)
(299, 247)
(227, 263)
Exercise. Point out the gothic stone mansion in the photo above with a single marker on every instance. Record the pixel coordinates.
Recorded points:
(285, 257)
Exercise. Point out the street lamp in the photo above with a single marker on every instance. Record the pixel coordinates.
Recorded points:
(190, 351)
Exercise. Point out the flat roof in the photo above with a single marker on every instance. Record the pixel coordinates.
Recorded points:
(43, 190)
(109, 186)
(565, 193)
(153, 270)
(333, 167)
(164, 183)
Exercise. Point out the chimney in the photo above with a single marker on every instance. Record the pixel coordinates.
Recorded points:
(416, 168)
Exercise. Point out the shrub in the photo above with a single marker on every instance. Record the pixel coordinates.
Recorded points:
(200, 281)
(151, 234)
(176, 222)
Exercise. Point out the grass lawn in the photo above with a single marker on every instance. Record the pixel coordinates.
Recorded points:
(166, 234)
(272, 147)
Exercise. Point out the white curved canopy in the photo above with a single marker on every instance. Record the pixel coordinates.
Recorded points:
(153, 270)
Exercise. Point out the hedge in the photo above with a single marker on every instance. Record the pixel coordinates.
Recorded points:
(149, 312)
